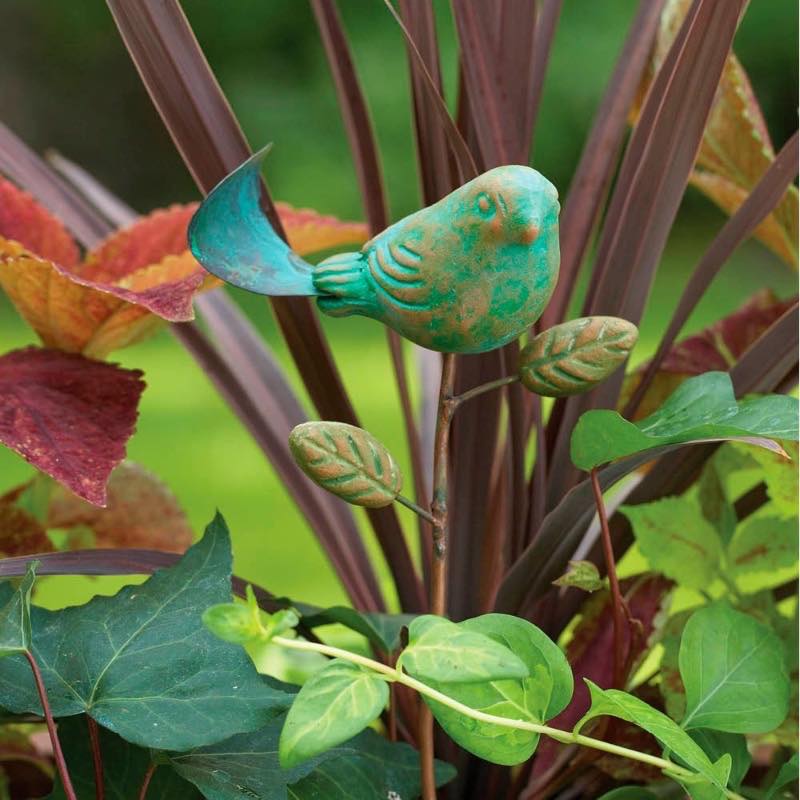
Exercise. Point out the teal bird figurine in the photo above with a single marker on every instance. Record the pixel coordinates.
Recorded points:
(467, 274)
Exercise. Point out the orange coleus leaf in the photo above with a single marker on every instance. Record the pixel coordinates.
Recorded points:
(25, 221)
(138, 276)
(736, 148)
(717, 347)
(141, 511)
(68, 415)
(310, 232)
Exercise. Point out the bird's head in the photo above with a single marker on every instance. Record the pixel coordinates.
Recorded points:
(511, 205)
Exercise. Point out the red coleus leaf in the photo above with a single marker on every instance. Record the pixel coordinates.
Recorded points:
(590, 652)
(718, 347)
(67, 415)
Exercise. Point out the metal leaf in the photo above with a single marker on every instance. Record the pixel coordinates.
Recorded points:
(575, 356)
(347, 461)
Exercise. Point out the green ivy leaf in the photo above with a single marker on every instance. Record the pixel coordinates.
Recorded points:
(440, 650)
(676, 540)
(671, 684)
(616, 703)
(124, 766)
(702, 408)
(347, 461)
(787, 774)
(734, 673)
(582, 575)
(534, 699)
(780, 475)
(575, 356)
(333, 706)
(15, 616)
(246, 767)
(143, 664)
(763, 544)
(716, 744)
(382, 630)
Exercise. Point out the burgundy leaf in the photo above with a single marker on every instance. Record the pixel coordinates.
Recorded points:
(67, 415)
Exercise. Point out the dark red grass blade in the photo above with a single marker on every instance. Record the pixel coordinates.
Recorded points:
(758, 205)
(198, 117)
(649, 188)
(546, 24)
(596, 168)
(464, 160)
(370, 179)
(436, 175)
(495, 124)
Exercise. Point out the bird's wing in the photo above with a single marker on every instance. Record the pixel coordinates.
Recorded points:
(398, 273)
(232, 238)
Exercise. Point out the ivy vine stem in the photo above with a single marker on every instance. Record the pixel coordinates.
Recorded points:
(148, 776)
(58, 753)
(565, 737)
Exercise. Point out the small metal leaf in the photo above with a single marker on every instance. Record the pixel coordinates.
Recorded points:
(347, 461)
(575, 356)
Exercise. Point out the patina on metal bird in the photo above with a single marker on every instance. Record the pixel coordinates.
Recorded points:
(467, 274)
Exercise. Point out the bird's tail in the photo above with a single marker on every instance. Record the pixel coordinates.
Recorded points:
(343, 285)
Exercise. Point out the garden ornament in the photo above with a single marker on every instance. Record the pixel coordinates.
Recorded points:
(467, 274)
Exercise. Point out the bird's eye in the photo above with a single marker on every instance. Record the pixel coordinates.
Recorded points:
(485, 204)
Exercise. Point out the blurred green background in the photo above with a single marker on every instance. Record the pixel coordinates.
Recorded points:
(66, 83)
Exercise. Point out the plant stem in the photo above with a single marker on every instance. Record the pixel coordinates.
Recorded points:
(617, 602)
(438, 601)
(485, 387)
(565, 737)
(97, 758)
(58, 754)
(426, 515)
(146, 781)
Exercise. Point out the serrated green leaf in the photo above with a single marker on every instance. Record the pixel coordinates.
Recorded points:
(763, 544)
(534, 699)
(440, 650)
(124, 766)
(347, 461)
(616, 703)
(15, 615)
(143, 664)
(575, 356)
(780, 475)
(787, 774)
(702, 408)
(333, 706)
(734, 672)
(581, 575)
(676, 540)
(716, 744)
